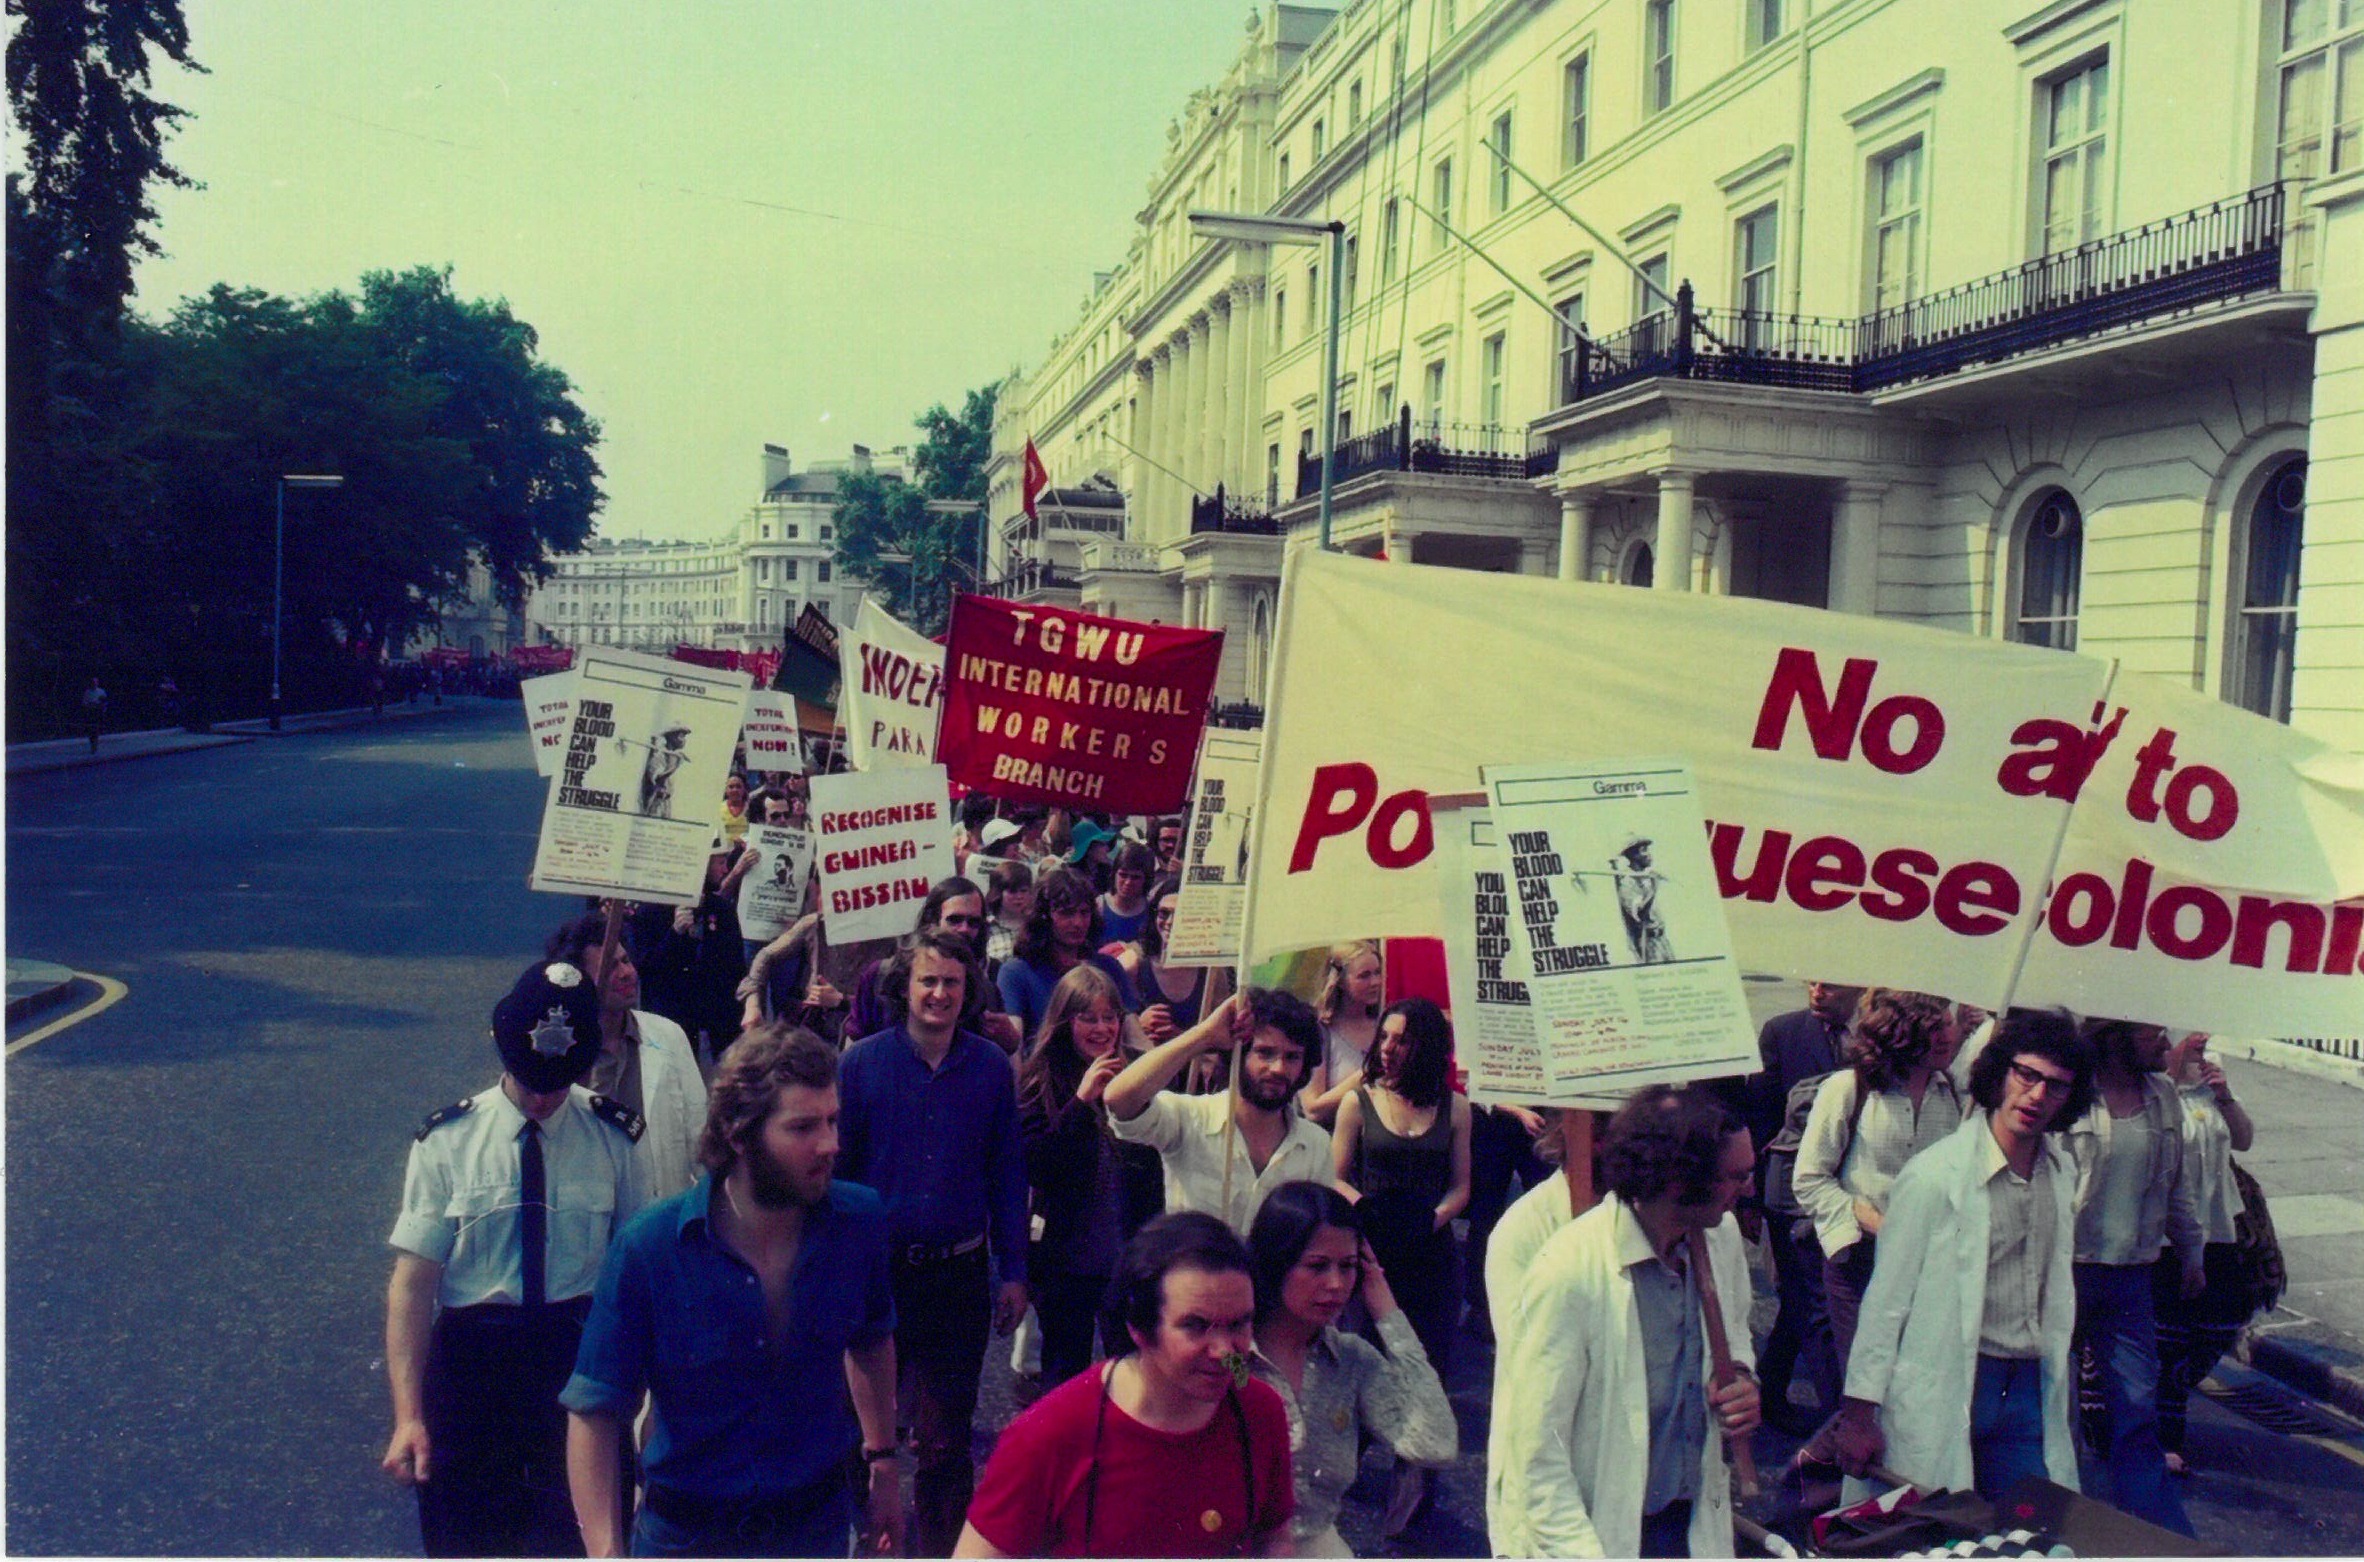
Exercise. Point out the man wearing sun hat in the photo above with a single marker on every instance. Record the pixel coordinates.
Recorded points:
(508, 1206)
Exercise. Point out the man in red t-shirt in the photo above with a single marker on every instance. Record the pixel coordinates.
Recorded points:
(1168, 1451)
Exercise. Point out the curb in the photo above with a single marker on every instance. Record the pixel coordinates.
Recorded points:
(23, 1006)
(2322, 1372)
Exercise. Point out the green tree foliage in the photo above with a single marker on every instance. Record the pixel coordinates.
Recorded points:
(457, 446)
(916, 558)
(92, 140)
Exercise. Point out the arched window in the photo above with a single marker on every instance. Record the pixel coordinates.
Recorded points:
(2051, 564)
(1639, 567)
(2265, 619)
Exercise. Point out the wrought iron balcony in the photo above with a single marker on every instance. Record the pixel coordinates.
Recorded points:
(1453, 449)
(2225, 250)
(1217, 513)
(1028, 576)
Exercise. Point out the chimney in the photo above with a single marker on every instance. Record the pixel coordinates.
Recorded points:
(775, 466)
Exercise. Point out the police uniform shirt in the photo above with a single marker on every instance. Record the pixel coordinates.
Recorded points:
(460, 1198)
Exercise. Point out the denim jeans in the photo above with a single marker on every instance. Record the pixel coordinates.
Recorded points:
(943, 1318)
(2114, 1315)
(1801, 1328)
(2006, 1425)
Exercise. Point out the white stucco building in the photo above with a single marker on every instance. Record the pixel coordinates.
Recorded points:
(2041, 320)
(739, 591)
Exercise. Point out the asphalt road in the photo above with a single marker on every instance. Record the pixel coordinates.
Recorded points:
(200, 1180)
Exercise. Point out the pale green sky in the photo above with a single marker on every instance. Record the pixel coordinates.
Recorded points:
(614, 170)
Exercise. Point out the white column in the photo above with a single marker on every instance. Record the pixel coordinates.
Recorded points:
(1671, 559)
(1219, 399)
(1855, 548)
(1194, 437)
(1137, 528)
(1575, 536)
(2326, 696)
(1399, 543)
(1247, 313)
(1177, 456)
(1169, 378)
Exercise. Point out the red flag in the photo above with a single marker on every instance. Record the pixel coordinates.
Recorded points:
(1036, 478)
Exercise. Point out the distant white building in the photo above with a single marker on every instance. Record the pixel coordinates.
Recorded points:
(2037, 319)
(736, 592)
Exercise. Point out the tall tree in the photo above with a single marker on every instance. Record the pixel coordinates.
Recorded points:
(93, 137)
(917, 557)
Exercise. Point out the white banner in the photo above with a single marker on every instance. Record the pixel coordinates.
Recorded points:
(1615, 916)
(1215, 851)
(1882, 799)
(771, 896)
(884, 838)
(647, 751)
(890, 692)
(770, 733)
(549, 711)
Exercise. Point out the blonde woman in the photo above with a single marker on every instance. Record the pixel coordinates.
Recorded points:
(1354, 987)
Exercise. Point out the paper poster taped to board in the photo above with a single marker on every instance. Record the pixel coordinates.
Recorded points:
(647, 751)
(771, 896)
(1215, 851)
(1614, 909)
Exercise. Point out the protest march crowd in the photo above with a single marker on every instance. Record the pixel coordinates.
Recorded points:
(728, 1242)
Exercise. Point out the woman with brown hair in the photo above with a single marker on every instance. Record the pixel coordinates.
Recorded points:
(1402, 1152)
(1072, 1163)
(1893, 1098)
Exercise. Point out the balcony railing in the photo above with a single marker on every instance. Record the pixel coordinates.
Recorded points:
(1028, 577)
(1452, 449)
(2226, 250)
(1217, 513)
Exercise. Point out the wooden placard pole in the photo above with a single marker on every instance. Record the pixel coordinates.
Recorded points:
(1576, 1131)
(1722, 1371)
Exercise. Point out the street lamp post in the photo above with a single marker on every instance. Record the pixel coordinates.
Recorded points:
(279, 563)
(1248, 227)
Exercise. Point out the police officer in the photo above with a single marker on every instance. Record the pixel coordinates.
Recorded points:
(507, 1210)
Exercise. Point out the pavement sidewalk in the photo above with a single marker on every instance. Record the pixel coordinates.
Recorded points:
(73, 753)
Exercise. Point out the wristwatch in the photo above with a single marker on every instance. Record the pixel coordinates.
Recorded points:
(881, 1455)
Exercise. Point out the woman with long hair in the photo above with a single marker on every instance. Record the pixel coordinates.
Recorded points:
(1062, 933)
(1310, 1259)
(2195, 1333)
(1894, 1098)
(1402, 1151)
(2135, 1208)
(1354, 985)
(1072, 1163)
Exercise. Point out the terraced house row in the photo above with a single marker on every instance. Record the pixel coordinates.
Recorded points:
(2042, 321)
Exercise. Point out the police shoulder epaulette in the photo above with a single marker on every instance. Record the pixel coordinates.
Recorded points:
(441, 1115)
(622, 1116)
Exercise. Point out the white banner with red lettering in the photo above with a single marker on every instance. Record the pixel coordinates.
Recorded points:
(890, 692)
(1883, 800)
(884, 839)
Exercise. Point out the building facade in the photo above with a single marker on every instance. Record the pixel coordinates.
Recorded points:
(2042, 321)
(736, 592)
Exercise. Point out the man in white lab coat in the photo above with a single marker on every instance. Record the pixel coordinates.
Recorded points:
(1613, 1407)
(1960, 1375)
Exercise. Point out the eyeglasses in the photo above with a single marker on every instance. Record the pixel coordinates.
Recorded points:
(2037, 1079)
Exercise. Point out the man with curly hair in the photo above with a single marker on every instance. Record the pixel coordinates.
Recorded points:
(747, 1308)
(1960, 1374)
(1610, 1444)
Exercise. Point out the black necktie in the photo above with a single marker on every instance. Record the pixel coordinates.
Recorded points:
(533, 1212)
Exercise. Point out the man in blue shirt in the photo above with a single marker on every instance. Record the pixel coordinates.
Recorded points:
(931, 1123)
(748, 1306)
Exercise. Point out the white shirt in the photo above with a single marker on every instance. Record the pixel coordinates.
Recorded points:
(460, 1199)
(673, 1101)
(1188, 1134)
(1521, 1233)
(2208, 1163)
(1579, 1415)
(1832, 1174)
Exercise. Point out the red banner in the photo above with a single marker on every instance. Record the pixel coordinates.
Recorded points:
(1054, 706)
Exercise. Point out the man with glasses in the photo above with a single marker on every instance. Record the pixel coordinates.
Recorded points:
(1961, 1375)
